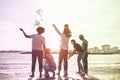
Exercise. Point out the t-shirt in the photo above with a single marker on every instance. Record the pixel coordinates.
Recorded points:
(64, 40)
(85, 45)
(78, 47)
(37, 41)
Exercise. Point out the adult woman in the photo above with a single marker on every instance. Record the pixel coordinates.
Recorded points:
(63, 54)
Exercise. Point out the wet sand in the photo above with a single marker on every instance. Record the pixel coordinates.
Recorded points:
(18, 67)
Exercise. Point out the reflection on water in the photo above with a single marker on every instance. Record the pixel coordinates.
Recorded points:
(104, 67)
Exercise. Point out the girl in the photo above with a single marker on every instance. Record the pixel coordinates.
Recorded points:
(49, 63)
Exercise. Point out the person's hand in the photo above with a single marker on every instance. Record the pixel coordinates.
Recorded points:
(21, 29)
(70, 55)
(54, 25)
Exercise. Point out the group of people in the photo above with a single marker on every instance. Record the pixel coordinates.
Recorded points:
(46, 60)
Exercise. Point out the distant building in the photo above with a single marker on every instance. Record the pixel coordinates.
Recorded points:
(91, 50)
(114, 49)
(106, 48)
(95, 50)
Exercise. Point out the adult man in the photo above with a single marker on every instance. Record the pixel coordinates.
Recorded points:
(38, 47)
(77, 48)
(84, 46)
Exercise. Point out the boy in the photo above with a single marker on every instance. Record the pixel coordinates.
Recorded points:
(49, 63)
(38, 44)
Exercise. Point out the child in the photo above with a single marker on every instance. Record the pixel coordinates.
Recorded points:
(38, 44)
(49, 63)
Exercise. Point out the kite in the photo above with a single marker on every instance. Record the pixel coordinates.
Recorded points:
(39, 11)
(37, 23)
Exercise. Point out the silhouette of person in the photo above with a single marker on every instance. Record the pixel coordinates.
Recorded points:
(78, 48)
(84, 47)
(38, 47)
(63, 53)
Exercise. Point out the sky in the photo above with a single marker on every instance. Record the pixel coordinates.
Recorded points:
(97, 20)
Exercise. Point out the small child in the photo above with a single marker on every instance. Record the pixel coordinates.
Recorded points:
(49, 63)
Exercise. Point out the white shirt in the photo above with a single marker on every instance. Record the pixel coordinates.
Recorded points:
(64, 40)
(37, 41)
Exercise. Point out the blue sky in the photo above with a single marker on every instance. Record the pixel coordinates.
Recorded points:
(98, 20)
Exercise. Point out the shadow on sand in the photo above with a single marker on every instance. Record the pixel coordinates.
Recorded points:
(65, 78)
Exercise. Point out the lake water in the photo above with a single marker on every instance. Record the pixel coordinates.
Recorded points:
(103, 67)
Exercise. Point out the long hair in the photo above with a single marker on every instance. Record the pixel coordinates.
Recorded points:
(67, 31)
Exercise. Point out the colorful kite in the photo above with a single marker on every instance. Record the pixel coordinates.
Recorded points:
(37, 23)
(39, 11)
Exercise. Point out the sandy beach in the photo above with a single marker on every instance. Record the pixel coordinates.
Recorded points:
(15, 66)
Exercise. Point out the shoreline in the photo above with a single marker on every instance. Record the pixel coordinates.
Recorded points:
(103, 53)
(29, 52)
